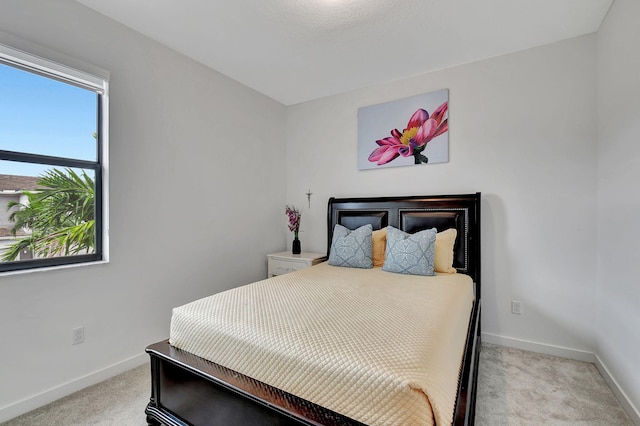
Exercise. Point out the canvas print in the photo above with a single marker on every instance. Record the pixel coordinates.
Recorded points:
(410, 131)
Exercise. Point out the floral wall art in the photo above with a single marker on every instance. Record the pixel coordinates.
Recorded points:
(409, 131)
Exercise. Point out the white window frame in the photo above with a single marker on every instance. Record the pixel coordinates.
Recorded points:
(52, 68)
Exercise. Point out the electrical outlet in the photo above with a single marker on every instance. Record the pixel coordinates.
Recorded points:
(77, 336)
(516, 307)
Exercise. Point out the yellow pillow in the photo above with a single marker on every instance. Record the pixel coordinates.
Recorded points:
(379, 246)
(443, 252)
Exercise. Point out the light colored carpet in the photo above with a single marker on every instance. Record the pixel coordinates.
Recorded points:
(514, 388)
(524, 388)
(119, 401)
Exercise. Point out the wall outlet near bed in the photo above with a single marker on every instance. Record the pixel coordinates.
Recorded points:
(516, 307)
(77, 336)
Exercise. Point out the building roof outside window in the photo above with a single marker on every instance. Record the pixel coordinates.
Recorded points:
(18, 183)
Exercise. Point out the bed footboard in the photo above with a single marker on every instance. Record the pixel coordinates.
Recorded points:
(189, 390)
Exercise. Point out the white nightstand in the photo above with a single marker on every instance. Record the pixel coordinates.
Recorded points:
(283, 262)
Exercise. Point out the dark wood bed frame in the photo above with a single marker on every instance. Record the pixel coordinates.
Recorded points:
(189, 390)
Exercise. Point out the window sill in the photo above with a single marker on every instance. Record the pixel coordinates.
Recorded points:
(52, 268)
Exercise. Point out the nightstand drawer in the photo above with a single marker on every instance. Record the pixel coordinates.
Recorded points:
(285, 262)
(279, 267)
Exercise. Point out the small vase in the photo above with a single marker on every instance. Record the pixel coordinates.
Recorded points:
(295, 248)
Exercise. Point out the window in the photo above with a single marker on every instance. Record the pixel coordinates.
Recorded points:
(52, 163)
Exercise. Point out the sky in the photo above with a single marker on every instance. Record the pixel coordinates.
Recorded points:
(44, 116)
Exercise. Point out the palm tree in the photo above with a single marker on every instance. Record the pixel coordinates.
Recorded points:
(60, 216)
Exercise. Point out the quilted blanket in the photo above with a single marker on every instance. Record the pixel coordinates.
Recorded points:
(379, 347)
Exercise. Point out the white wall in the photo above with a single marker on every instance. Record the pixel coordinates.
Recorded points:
(5, 199)
(523, 132)
(196, 158)
(618, 292)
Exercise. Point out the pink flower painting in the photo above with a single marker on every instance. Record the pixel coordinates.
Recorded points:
(422, 128)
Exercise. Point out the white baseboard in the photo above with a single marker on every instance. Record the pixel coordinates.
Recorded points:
(541, 348)
(632, 411)
(574, 354)
(8, 412)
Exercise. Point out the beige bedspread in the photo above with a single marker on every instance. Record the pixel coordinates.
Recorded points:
(378, 347)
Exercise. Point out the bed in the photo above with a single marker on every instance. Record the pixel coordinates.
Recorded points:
(190, 389)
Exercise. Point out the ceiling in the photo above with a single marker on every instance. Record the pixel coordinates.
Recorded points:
(298, 50)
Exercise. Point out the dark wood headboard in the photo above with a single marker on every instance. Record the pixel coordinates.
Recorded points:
(416, 213)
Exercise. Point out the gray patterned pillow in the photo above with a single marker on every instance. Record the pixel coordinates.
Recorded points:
(351, 248)
(410, 253)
